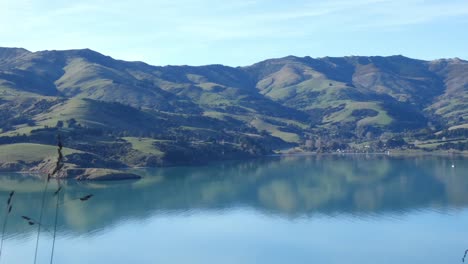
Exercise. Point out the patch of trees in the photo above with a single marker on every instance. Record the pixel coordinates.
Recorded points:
(176, 154)
(396, 142)
(291, 129)
(93, 161)
(361, 113)
(14, 139)
(454, 133)
(368, 132)
(324, 144)
(462, 146)
(9, 123)
(408, 117)
(252, 146)
(318, 113)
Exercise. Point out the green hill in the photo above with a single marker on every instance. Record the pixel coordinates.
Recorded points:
(132, 113)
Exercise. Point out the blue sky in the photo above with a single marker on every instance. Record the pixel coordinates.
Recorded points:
(242, 32)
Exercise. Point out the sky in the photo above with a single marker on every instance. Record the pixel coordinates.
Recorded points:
(238, 33)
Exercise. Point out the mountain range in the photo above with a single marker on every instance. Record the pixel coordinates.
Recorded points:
(140, 114)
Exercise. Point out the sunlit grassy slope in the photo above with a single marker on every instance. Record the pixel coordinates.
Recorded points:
(29, 152)
(280, 100)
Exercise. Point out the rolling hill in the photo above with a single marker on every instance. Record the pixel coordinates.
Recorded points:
(132, 113)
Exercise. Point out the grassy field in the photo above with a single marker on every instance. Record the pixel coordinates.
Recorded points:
(29, 152)
(74, 108)
(20, 130)
(458, 127)
(432, 144)
(221, 116)
(382, 118)
(144, 145)
(274, 131)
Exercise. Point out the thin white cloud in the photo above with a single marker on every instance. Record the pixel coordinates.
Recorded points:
(166, 26)
(397, 14)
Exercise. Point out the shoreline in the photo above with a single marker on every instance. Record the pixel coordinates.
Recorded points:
(389, 153)
(28, 171)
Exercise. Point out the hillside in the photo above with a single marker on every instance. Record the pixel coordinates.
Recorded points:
(119, 113)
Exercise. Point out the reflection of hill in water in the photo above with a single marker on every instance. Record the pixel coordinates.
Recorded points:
(289, 186)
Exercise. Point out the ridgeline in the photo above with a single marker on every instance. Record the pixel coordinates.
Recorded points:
(114, 113)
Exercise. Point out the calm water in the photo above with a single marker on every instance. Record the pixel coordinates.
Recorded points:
(329, 209)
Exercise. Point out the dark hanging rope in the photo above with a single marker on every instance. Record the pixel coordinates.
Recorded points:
(9, 207)
(40, 216)
(57, 193)
(58, 166)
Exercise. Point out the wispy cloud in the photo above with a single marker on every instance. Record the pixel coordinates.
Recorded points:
(168, 27)
(412, 12)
